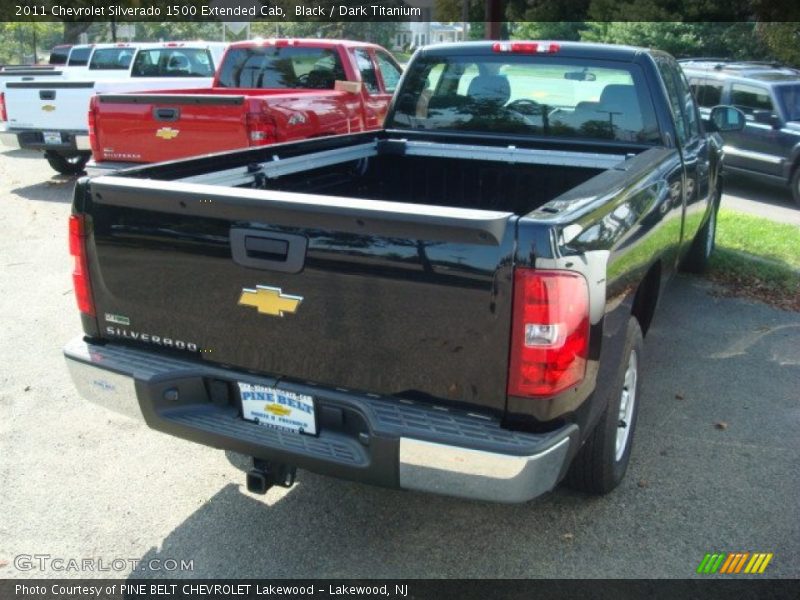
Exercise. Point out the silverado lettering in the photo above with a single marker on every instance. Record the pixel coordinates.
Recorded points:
(477, 277)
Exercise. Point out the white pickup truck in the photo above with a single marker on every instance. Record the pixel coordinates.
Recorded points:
(103, 60)
(49, 114)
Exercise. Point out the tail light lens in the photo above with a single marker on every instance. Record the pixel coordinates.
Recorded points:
(261, 129)
(80, 274)
(550, 332)
(527, 47)
(92, 122)
(3, 114)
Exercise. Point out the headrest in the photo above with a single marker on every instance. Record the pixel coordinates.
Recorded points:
(490, 88)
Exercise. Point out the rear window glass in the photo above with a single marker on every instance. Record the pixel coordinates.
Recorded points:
(271, 67)
(79, 57)
(111, 59)
(58, 55)
(528, 95)
(173, 62)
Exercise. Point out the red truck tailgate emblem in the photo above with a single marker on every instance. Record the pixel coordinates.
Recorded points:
(167, 133)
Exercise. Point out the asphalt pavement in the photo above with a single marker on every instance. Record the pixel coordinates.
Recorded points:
(762, 199)
(714, 466)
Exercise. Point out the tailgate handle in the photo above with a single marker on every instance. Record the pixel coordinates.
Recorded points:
(47, 95)
(166, 114)
(268, 250)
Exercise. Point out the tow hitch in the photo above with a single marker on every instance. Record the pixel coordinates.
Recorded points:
(265, 474)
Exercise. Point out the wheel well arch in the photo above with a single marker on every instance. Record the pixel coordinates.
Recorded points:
(646, 298)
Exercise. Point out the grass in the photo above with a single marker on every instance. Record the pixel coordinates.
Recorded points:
(758, 258)
(762, 237)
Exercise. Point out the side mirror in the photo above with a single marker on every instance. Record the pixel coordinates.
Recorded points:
(352, 87)
(767, 117)
(726, 118)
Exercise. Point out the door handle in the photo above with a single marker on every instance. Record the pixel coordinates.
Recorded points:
(166, 114)
(47, 95)
(268, 250)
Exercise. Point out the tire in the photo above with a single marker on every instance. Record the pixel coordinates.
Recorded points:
(796, 185)
(696, 261)
(67, 165)
(602, 461)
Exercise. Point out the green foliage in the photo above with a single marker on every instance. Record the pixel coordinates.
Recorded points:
(548, 30)
(783, 40)
(734, 40)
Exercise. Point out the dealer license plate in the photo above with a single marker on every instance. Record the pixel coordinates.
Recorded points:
(278, 408)
(52, 137)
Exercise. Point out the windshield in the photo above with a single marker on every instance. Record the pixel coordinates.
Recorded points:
(270, 67)
(173, 62)
(111, 59)
(790, 99)
(528, 95)
(79, 57)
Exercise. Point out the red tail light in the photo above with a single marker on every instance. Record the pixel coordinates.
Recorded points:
(80, 275)
(550, 332)
(527, 47)
(3, 114)
(261, 129)
(92, 118)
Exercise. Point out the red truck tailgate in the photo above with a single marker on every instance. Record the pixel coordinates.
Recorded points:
(154, 127)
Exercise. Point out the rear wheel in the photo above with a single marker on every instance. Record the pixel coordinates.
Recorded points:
(603, 460)
(696, 261)
(67, 165)
(796, 185)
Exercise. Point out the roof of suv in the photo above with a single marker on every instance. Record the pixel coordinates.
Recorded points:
(761, 71)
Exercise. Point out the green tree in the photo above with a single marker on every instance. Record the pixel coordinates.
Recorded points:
(783, 40)
(548, 30)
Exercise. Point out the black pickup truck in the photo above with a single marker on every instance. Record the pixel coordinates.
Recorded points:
(455, 303)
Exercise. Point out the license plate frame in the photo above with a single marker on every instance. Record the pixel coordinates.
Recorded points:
(52, 138)
(277, 408)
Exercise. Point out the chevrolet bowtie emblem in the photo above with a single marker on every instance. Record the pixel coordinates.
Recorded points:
(48, 107)
(270, 300)
(167, 133)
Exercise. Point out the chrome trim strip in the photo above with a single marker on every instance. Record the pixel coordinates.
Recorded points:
(769, 158)
(477, 474)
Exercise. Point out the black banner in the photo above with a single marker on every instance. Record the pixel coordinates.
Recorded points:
(396, 10)
(464, 589)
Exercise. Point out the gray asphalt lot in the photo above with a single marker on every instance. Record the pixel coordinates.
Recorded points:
(714, 466)
(753, 196)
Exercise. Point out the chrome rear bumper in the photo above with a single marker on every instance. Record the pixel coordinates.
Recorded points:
(406, 445)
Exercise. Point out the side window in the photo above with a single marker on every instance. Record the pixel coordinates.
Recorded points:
(367, 70)
(389, 71)
(748, 98)
(675, 100)
(689, 106)
(708, 94)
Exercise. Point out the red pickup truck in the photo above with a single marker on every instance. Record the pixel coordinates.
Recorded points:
(264, 92)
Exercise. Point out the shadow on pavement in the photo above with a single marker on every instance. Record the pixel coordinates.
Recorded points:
(56, 189)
